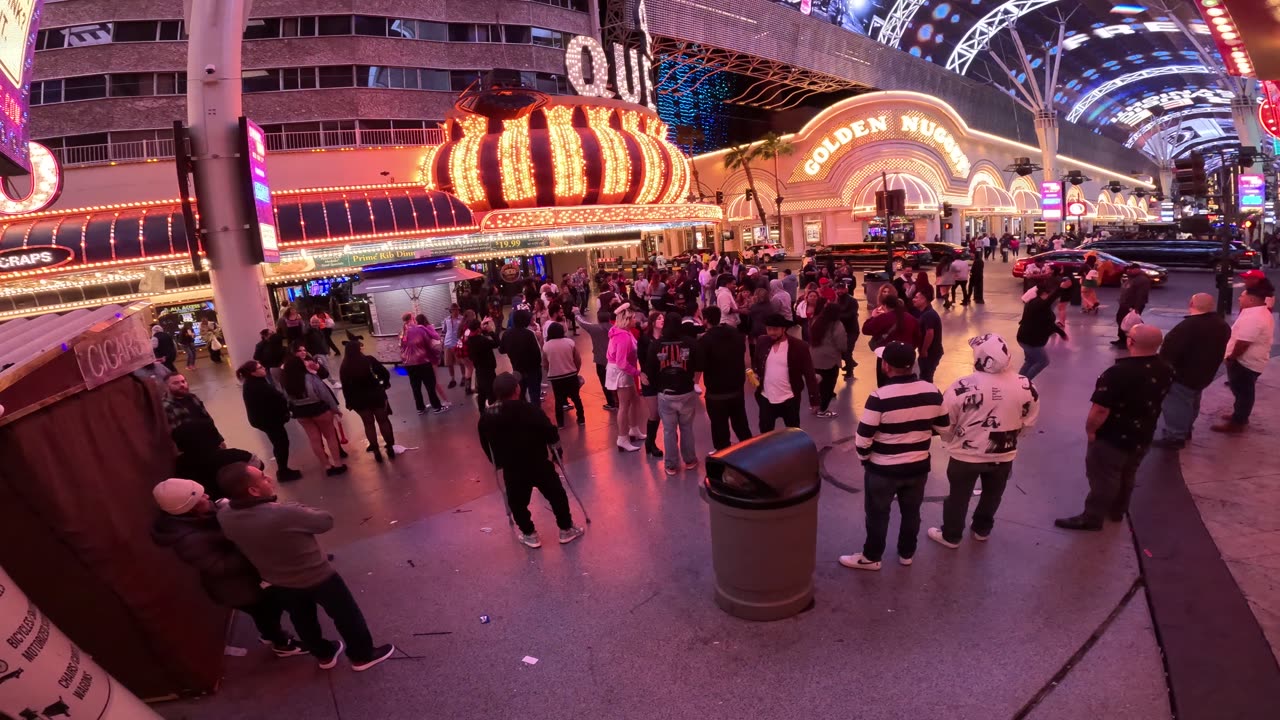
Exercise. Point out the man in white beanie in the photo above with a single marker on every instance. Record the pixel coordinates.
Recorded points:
(988, 408)
(189, 525)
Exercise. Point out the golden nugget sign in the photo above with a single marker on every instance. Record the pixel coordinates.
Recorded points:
(892, 126)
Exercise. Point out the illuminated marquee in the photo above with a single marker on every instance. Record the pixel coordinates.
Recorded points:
(46, 184)
(19, 21)
(636, 86)
(1140, 110)
(894, 126)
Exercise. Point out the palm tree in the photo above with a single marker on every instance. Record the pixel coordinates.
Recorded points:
(770, 147)
(688, 138)
(740, 157)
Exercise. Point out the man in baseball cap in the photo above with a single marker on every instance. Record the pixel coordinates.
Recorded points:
(188, 523)
(896, 458)
(1257, 280)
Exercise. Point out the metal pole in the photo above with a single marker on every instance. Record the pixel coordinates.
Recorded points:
(213, 112)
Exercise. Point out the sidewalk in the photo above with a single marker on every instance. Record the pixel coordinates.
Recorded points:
(1235, 481)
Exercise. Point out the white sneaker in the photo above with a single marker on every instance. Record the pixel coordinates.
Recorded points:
(936, 535)
(905, 561)
(624, 445)
(857, 562)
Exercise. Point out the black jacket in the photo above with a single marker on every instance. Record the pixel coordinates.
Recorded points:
(226, 574)
(165, 348)
(671, 363)
(480, 348)
(203, 465)
(364, 384)
(515, 434)
(1195, 348)
(848, 307)
(265, 405)
(521, 346)
(721, 358)
(1039, 322)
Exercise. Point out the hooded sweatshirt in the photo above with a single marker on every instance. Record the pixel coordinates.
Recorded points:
(623, 351)
(990, 407)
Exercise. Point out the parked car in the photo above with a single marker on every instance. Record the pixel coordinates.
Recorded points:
(872, 254)
(938, 249)
(1176, 253)
(1110, 267)
(766, 252)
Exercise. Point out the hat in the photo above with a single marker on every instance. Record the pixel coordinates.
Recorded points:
(990, 353)
(777, 320)
(824, 281)
(898, 354)
(1253, 275)
(178, 496)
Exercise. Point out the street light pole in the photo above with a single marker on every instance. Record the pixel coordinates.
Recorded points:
(215, 29)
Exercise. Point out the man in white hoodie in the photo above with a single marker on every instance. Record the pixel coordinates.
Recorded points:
(989, 409)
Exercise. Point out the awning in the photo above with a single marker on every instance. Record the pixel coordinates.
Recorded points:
(1106, 211)
(361, 213)
(1026, 202)
(390, 283)
(920, 196)
(991, 200)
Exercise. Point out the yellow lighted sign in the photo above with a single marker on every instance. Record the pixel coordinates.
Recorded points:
(887, 126)
(15, 25)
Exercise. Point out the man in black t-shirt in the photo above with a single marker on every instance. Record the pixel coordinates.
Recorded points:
(930, 342)
(1121, 423)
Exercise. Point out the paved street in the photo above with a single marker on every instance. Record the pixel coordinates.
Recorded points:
(625, 616)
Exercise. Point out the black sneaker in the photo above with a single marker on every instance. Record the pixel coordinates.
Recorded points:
(327, 663)
(342, 453)
(288, 474)
(453, 383)
(422, 411)
(607, 406)
(337, 470)
(288, 649)
(380, 653)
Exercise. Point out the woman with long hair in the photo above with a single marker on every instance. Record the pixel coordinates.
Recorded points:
(946, 280)
(648, 393)
(807, 312)
(622, 374)
(1089, 286)
(561, 364)
(315, 408)
(827, 349)
(462, 355)
(268, 411)
(364, 384)
(889, 322)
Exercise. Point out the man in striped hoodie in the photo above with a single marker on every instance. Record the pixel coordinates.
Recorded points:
(894, 434)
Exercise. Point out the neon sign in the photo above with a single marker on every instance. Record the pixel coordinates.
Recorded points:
(639, 89)
(1051, 200)
(1252, 187)
(904, 126)
(1139, 111)
(19, 21)
(258, 188)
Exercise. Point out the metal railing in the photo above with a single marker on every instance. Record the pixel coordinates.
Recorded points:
(145, 150)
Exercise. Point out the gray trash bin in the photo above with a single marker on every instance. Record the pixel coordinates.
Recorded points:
(763, 497)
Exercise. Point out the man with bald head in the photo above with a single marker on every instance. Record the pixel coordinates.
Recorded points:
(1194, 348)
(1121, 422)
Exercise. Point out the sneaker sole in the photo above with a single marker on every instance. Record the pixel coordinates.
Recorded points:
(365, 666)
(871, 567)
(333, 661)
(575, 537)
(289, 653)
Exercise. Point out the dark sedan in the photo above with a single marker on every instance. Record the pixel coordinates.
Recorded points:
(1110, 267)
(1176, 253)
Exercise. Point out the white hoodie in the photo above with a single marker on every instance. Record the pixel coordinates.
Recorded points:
(989, 408)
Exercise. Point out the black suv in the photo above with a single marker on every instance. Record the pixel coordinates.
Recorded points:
(1175, 253)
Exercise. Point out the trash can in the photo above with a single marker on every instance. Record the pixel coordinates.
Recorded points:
(871, 284)
(763, 499)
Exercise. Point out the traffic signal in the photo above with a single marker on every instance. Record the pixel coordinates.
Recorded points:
(750, 195)
(1189, 175)
(719, 198)
(1247, 155)
(947, 209)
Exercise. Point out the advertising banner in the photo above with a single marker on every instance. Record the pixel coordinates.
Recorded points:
(1253, 191)
(43, 675)
(1051, 200)
(19, 21)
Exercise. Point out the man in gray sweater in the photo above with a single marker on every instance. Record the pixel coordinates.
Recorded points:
(280, 540)
(599, 332)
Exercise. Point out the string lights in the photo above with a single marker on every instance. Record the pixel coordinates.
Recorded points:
(613, 151)
(464, 162)
(557, 217)
(515, 161)
(567, 161)
(651, 179)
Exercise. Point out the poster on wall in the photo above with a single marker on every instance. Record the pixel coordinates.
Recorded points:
(1051, 200)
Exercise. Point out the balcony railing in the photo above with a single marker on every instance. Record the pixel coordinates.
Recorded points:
(145, 150)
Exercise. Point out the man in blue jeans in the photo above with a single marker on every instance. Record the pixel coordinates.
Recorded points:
(1248, 353)
(669, 367)
(1038, 324)
(1195, 348)
(897, 426)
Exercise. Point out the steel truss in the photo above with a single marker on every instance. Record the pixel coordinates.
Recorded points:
(900, 16)
(1116, 83)
(977, 38)
(1154, 124)
(777, 86)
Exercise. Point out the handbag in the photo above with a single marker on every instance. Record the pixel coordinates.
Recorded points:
(883, 338)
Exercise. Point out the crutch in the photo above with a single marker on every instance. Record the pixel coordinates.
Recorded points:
(555, 458)
(506, 506)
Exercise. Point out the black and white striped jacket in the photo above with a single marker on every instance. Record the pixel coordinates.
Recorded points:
(898, 424)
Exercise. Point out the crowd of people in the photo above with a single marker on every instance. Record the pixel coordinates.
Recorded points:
(671, 345)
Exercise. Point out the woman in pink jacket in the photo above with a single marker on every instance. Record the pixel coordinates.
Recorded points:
(622, 374)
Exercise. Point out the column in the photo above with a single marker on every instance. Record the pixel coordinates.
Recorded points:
(798, 244)
(1047, 134)
(213, 113)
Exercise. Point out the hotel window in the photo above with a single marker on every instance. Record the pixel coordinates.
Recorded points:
(548, 38)
(133, 84)
(336, 76)
(470, 32)
(371, 26)
(460, 80)
(298, 27)
(517, 34)
(435, 80)
(256, 81)
(88, 87)
(298, 78)
(334, 25)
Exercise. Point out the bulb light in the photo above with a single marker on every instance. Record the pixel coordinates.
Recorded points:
(516, 162)
(651, 175)
(613, 150)
(567, 161)
(464, 162)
